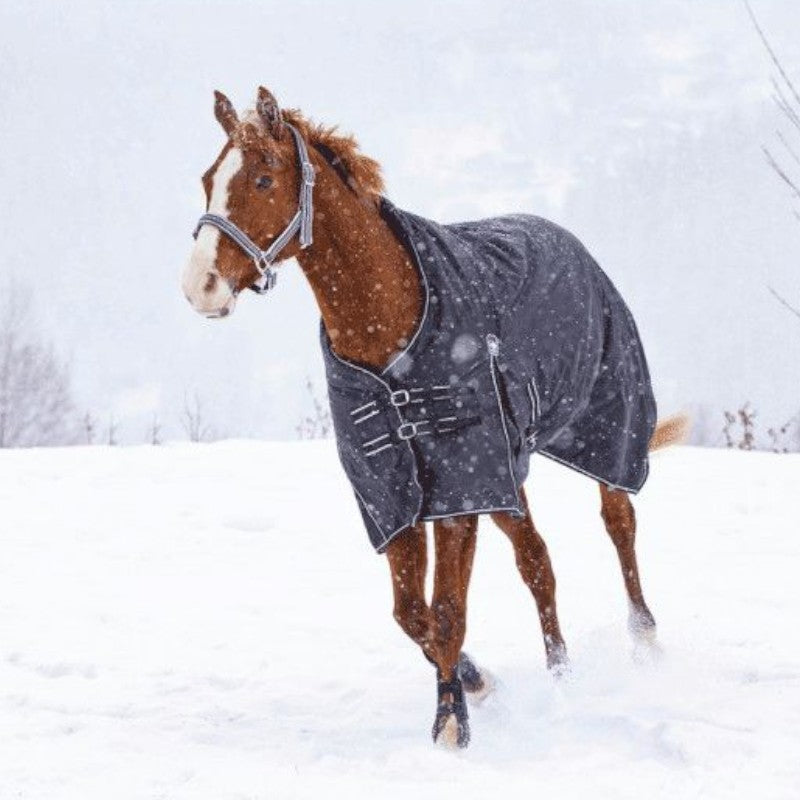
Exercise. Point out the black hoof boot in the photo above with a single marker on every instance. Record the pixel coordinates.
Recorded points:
(471, 678)
(451, 726)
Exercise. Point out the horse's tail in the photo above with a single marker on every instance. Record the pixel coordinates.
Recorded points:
(672, 430)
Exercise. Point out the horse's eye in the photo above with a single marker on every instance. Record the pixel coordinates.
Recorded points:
(264, 182)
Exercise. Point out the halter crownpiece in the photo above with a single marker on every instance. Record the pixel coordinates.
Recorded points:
(301, 222)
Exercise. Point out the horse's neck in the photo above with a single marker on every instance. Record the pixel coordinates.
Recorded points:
(367, 289)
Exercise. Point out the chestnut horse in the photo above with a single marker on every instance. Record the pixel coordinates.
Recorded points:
(371, 300)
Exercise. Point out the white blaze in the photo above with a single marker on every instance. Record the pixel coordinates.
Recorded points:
(203, 259)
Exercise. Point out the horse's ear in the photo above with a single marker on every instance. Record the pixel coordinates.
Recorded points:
(269, 112)
(225, 113)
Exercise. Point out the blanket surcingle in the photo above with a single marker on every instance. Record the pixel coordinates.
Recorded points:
(524, 346)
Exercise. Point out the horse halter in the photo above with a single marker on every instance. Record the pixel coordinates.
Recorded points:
(301, 221)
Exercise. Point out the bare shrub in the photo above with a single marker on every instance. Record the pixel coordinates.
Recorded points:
(194, 420)
(739, 432)
(786, 438)
(89, 427)
(318, 424)
(739, 428)
(36, 405)
(155, 431)
(113, 427)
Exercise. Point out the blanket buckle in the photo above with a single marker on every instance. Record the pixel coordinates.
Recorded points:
(400, 398)
(408, 430)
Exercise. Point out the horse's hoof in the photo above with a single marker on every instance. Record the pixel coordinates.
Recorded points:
(642, 625)
(646, 649)
(558, 661)
(451, 725)
(477, 683)
(647, 653)
(450, 732)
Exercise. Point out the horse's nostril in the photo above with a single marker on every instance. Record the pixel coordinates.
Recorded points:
(211, 282)
(223, 312)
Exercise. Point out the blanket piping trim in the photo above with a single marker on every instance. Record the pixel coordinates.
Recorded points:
(613, 486)
(426, 305)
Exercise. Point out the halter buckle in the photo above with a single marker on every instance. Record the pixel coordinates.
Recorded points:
(309, 176)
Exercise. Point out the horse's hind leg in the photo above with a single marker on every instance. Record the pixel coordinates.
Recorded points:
(534, 565)
(620, 520)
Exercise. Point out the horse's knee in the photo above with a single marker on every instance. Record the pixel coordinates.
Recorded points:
(448, 618)
(411, 615)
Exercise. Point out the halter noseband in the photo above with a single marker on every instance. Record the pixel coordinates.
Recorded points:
(301, 221)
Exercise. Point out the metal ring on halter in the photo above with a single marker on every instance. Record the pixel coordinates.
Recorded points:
(268, 276)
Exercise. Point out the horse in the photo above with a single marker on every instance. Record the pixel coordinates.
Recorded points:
(274, 165)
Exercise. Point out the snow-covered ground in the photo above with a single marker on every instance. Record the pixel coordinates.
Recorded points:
(209, 621)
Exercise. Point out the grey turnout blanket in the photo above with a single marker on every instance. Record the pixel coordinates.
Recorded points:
(525, 346)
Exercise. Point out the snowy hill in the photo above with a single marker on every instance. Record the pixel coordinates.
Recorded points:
(209, 621)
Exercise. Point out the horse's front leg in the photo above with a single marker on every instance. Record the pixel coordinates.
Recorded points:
(431, 627)
(455, 540)
(408, 562)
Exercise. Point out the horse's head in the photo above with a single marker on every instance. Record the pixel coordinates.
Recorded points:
(253, 184)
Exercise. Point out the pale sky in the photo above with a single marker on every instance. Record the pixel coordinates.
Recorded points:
(637, 125)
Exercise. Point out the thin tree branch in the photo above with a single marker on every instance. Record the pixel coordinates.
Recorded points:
(787, 112)
(784, 105)
(788, 147)
(781, 173)
(784, 302)
(771, 52)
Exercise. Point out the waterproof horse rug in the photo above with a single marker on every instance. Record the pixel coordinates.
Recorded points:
(524, 346)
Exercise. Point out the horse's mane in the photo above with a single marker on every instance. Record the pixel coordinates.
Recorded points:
(363, 173)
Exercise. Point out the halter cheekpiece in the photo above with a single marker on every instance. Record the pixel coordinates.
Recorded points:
(301, 222)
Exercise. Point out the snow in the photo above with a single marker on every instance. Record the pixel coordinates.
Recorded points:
(209, 621)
